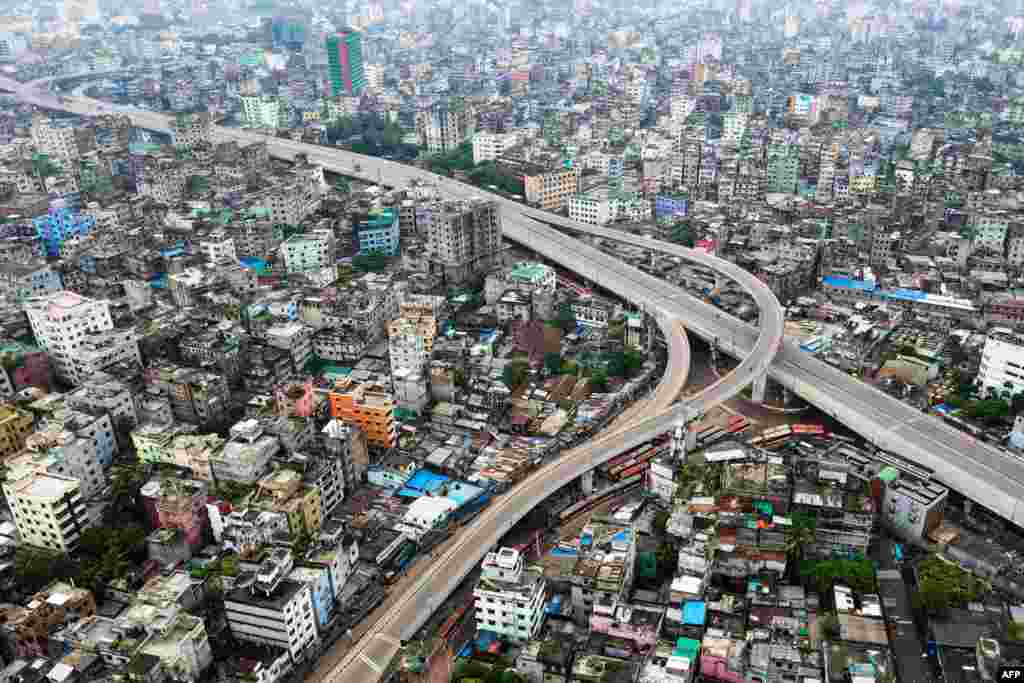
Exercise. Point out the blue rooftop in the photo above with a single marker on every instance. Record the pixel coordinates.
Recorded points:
(425, 482)
(848, 283)
(694, 613)
(906, 295)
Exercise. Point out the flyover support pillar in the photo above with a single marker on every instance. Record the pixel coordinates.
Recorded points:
(758, 390)
(691, 439)
(587, 482)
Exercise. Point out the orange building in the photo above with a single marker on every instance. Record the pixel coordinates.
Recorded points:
(372, 409)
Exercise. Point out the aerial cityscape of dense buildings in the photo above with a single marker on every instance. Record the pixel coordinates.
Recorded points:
(575, 342)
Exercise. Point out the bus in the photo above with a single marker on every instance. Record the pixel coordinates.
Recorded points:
(772, 438)
(808, 430)
(706, 438)
(615, 472)
(589, 503)
(737, 424)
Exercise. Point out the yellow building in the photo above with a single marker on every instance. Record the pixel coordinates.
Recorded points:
(283, 491)
(15, 427)
(372, 409)
(551, 190)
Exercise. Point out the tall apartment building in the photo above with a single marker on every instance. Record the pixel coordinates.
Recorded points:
(490, 146)
(188, 130)
(48, 509)
(551, 190)
(464, 239)
(59, 144)
(411, 342)
(69, 326)
(61, 226)
(262, 111)
(15, 427)
(369, 408)
(783, 168)
(347, 443)
(345, 63)
(1002, 361)
(509, 597)
(274, 610)
(442, 129)
(378, 232)
(309, 252)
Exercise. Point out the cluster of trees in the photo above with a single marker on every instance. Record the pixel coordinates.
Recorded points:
(942, 585)
(370, 134)
(106, 555)
(476, 672)
(459, 159)
(857, 573)
(515, 373)
(372, 262)
(681, 232)
(691, 475)
(485, 173)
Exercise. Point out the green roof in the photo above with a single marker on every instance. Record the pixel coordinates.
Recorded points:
(529, 271)
(889, 474)
(687, 647)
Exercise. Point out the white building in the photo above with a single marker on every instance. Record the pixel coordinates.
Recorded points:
(48, 509)
(509, 598)
(1002, 361)
(282, 616)
(219, 248)
(57, 143)
(490, 146)
(593, 210)
(262, 111)
(426, 514)
(312, 252)
(64, 325)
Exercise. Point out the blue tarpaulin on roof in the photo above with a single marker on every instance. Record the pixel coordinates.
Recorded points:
(848, 283)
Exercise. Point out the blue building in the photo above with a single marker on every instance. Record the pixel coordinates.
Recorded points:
(378, 232)
(319, 581)
(60, 225)
(671, 206)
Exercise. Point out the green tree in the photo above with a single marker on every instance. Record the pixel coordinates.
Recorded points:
(617, 364)
(341, 186)
(33, 569)
(632, 361)
(565, 318)
(682, 233)
(801, 536)
(553, 362)
(372, 262)
(599, 380)
(515, 373)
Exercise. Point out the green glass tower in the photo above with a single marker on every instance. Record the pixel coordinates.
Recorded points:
(345, 63)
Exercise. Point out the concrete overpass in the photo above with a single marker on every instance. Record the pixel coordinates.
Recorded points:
(666, 304)
(986, 474)
(982, 472)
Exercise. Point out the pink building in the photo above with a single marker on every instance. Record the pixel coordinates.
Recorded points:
(294, 399)
(172, 503)
(638, 624)
(26, 366)
(721, 659)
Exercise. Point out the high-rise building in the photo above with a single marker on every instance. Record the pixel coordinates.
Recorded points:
(345, 63)
(48, 509)
(79, 334)
(464, 238)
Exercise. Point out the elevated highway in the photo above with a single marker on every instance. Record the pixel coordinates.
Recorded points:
(670, 308)
(978, 470)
